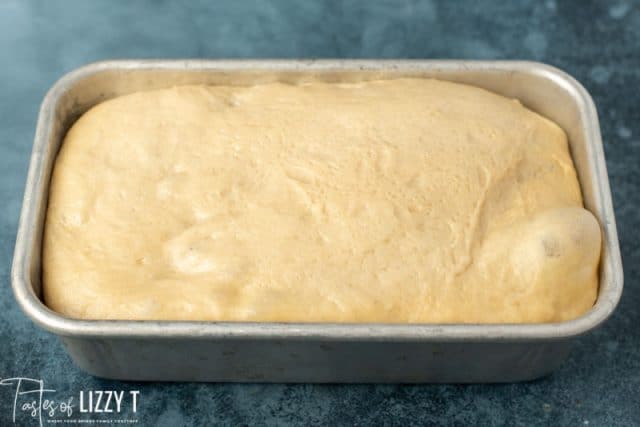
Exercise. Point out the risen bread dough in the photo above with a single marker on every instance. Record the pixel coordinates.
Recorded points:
(407, 200)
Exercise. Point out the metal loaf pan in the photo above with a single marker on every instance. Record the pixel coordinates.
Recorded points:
(299, 352)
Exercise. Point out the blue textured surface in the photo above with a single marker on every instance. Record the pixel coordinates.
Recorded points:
(596, 41)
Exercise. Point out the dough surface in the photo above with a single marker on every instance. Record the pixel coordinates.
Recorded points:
(409, 200)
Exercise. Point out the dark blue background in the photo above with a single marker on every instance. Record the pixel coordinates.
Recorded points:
(596, 41)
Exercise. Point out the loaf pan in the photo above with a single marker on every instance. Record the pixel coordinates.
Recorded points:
(315, 352)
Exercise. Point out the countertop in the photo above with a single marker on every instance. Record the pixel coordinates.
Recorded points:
(598, 42)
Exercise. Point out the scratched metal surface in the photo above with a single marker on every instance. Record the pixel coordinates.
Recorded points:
(597, 42)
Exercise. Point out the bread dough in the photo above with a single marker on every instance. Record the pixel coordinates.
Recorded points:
(408, 200)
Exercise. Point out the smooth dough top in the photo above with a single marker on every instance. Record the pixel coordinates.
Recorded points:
(408, 200)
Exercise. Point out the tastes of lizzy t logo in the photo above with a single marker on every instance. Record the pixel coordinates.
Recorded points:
(32, 400)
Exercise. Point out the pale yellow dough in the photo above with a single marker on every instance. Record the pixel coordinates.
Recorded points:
(407, 200)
